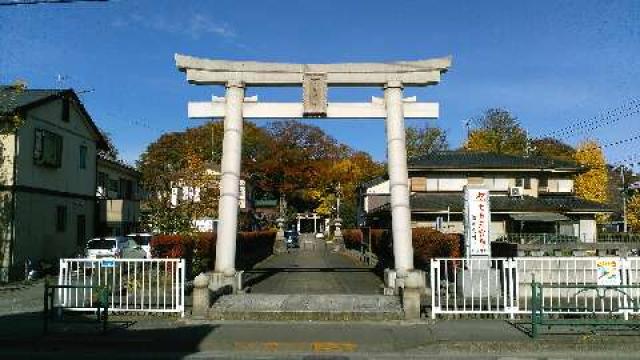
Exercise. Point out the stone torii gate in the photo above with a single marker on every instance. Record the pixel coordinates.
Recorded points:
(315, 80)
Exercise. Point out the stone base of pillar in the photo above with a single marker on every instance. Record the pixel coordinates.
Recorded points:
(280, 244)
(393, 284)
(411, 303)
(411, 288)
(221, 283)
(201, 296)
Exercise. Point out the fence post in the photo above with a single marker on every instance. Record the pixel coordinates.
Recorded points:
(201, 296)
(434, 286)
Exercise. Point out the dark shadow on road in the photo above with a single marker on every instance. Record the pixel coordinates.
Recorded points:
(23, 332)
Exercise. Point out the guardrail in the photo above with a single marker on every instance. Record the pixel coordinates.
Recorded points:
(503, 286)
(136, 285)
(537, 238)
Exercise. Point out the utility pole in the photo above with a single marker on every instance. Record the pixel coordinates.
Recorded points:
(624, 199)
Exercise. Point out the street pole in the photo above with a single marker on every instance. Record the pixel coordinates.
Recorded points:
(624, 200)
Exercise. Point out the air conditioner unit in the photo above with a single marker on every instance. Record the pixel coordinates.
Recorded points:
(516, 191)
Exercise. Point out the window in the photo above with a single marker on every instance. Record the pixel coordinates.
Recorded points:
(524, 182)
(114, 187)
(543, 182)
(83, 157)
(47, 148)
(61, 218)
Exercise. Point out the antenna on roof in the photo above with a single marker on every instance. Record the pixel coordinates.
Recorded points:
(60, 80)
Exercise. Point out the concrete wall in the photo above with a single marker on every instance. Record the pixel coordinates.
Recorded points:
(44, 241)
(69, 177)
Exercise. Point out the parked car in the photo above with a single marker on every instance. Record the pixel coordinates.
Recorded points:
(292, 238)
(114, 247)
(144, 241)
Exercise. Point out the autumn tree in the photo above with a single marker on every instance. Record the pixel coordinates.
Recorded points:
(592, 184)
(288, 158)
(497, 131)
(633, 212)
(422, 141)
(552, 148)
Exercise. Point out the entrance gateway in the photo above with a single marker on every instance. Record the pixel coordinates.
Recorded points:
(315, 80)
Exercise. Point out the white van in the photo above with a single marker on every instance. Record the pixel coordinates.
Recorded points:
(106, 247)
(144, 241)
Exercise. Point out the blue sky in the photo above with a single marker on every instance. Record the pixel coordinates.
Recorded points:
(552, 63)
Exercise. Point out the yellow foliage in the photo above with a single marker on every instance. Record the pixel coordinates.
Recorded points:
(592, 184)
(633, 213)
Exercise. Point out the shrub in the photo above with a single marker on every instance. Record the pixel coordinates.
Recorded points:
(200, 251)
(352, 238)
(169, 246)
(429, 243)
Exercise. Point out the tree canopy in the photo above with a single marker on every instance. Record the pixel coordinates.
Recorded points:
(297, 160)
(553, 148)
(497, 131)
(592, 184)
(423, 141)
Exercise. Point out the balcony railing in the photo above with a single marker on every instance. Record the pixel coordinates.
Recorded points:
(537, 238)
(619, 237)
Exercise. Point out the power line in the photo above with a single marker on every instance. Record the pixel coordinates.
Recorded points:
(610, 117)
(39, 2)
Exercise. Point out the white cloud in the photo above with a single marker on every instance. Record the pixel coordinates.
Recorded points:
(194, 25)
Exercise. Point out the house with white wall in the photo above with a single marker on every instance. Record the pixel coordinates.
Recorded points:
(118, 198)
(532, 198)
(47, 177)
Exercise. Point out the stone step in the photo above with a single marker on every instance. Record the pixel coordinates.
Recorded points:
(306, 307)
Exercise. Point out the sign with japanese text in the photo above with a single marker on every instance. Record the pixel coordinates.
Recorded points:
(608, 272)
(477, 221)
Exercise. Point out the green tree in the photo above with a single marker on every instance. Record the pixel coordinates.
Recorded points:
(423, 141)
(497, 131)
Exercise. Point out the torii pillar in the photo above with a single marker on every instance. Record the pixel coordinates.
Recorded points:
(315, 79)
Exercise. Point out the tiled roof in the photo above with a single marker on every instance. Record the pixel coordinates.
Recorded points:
(12, 100)
(432, 202)
(484, 160)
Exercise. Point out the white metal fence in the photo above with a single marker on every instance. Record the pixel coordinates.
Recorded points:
(136, 285)
(503, 286)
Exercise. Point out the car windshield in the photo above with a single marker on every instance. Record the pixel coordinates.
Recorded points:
(101, 244)
(141, 239)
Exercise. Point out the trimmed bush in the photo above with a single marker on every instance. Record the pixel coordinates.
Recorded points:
(200, 250)
(428, 243)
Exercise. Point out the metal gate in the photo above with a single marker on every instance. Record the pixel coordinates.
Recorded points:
(503, 286)
(135, 285)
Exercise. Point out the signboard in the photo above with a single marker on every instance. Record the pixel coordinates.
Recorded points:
(477, 216)
(608, 272)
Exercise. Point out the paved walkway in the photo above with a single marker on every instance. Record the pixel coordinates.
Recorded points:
(309, 272)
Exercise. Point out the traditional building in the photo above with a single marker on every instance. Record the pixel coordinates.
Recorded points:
(532, 198)
(47, 176)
